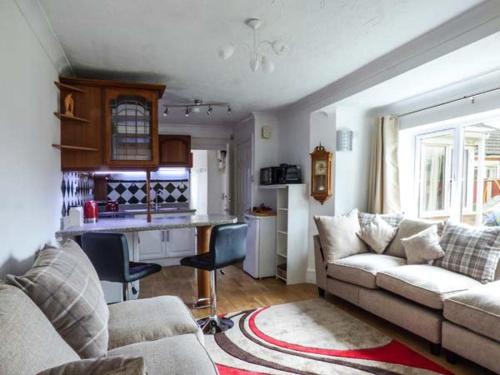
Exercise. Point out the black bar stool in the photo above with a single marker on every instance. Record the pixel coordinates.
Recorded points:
(108, 252)
(227, 246)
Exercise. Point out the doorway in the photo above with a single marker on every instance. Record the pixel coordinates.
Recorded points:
(210, 182)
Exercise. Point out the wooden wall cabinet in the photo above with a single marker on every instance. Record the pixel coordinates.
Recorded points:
(175, 151)
(115, 125)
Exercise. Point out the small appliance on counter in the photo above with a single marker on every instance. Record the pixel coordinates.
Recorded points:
(75, 217)
(90, 211)
(112, 206)
(284, 174)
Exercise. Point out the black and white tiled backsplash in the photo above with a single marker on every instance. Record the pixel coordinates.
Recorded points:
(76, 188)
(134, 192)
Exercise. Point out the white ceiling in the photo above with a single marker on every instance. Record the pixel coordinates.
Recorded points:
(473, 61)
(175, 42)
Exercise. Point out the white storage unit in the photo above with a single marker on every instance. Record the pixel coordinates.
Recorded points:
(291, 232)
(260, 260)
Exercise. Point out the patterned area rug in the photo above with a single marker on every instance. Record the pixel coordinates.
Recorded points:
(310, 337)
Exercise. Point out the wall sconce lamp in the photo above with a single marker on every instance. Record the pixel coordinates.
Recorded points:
(344, 139)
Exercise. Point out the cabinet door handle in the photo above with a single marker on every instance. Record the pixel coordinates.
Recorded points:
(162, 236)
(168, 236)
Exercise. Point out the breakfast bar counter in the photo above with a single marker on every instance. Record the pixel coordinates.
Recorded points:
(125, 225)
(129, 226)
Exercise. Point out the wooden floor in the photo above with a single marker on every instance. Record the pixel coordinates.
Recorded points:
(238, 291)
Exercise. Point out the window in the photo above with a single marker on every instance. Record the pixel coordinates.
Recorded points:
(465, 184)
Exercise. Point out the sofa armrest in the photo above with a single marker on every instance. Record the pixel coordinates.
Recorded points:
(320, 263)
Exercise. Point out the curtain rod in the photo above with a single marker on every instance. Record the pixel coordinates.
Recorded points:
(448, 102)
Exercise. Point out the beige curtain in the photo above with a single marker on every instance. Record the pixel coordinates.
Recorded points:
(383, 193)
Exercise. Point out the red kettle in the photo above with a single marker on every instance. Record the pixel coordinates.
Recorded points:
(90, 211)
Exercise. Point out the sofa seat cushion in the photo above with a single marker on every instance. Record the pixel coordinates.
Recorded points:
(179, 355)
(361, 269)
(424, 284)
(29, 343)
(149, 319)
(477, 309)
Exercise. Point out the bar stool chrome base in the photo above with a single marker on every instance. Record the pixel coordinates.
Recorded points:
(214, 324)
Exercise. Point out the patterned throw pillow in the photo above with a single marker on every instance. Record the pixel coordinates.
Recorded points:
(392, 219)
(100, 366)
(65, 286)
(472, 251)
(377, 235)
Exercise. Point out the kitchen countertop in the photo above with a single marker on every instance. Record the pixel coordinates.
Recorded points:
(143, 211)
(124, 225)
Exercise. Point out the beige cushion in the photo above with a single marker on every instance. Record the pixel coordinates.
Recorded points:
(377, 234)
(65, 286)
(337, 235)
(477, 309)
(149, 319)
(100, 366)
(179, 355)
(424, 284)
(423, 247)
(407, 228)
(361, 269)
(28, 342)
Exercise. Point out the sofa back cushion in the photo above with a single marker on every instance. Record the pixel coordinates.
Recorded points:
(101, 366)
(29, 343)
(392, 219)
(407, 228)
(472, 251)
(65, 286)
(337, 235)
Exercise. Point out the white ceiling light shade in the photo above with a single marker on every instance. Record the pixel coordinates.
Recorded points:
(255, 63)
(258, 59)
(226, 52)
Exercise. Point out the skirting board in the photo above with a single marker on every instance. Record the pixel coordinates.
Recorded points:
(311, 276)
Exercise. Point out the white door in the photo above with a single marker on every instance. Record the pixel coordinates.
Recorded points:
(216, 181)
(151, 245)
(243, 169)
(180, 242)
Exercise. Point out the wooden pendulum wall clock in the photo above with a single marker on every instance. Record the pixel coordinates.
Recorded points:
(321, 174)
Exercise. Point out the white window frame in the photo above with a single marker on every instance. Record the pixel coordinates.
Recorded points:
(456, 175)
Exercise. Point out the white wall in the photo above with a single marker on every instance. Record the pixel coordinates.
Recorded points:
(29, 166)
(203, 137)
(199, 182)
(265, 155)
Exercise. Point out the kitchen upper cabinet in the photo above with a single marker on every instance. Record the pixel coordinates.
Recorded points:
(131, 128)
(114, 124)
(175, 151)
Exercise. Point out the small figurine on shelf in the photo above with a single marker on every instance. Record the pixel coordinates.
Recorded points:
(69, 105)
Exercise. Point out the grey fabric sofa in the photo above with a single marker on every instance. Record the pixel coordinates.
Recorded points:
(161, 330)
(422, 299)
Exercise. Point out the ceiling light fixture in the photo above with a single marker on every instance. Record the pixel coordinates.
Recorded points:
(196, 106)
(258, 60)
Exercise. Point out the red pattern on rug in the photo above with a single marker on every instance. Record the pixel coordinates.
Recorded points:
(226, 370)
(394, 352)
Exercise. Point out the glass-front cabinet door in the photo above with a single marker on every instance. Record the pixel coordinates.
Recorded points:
(131, 128)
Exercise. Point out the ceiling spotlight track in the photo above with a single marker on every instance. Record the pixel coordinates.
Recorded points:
(195, 107)
(258, 60)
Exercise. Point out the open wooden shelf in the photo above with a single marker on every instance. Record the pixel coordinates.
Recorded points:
(65, 86)
(62, 116)
(76, 148)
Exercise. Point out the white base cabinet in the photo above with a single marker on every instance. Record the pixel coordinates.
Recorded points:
(166, 247)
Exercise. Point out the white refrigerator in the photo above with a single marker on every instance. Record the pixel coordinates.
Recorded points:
(260, 260)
